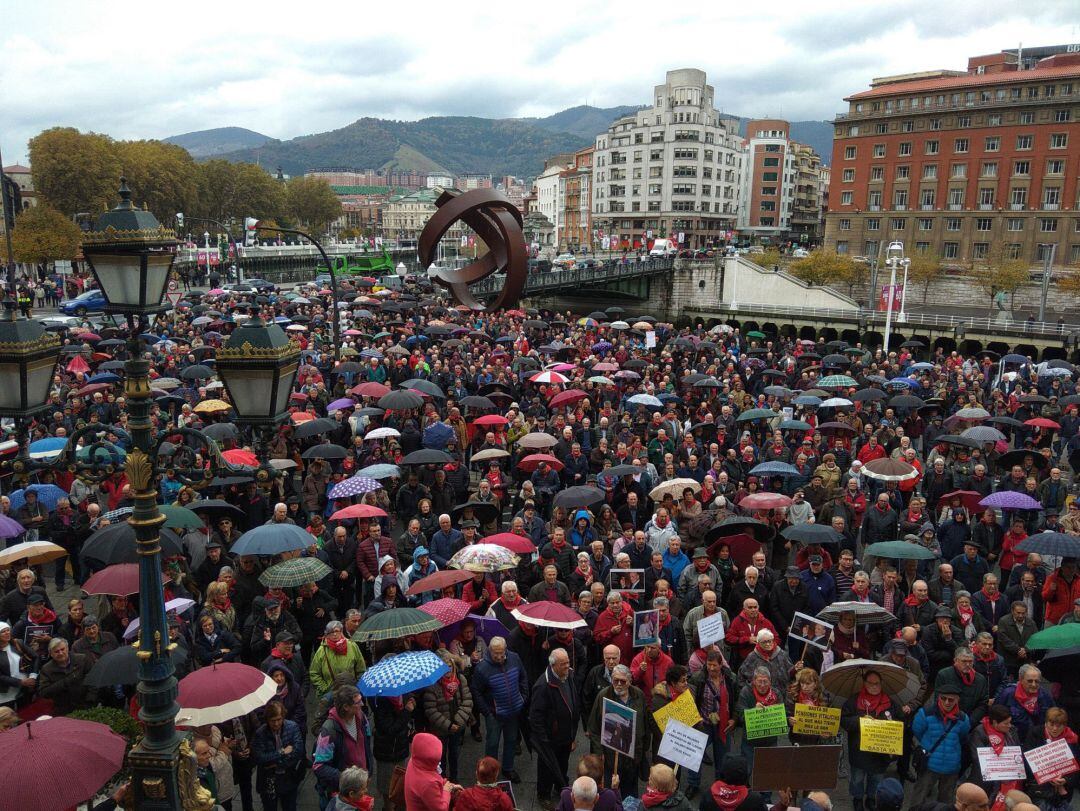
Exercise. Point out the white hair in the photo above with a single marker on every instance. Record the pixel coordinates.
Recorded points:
(584, 791)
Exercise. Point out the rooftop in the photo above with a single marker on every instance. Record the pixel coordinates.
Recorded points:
(958, 82)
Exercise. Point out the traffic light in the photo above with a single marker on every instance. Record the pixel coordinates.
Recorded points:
(251, 230)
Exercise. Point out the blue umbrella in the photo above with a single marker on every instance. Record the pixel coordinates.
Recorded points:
(403, 673)
(922, 366)
(271, 539)
(356, 486)
(104, 377)
(904, 381)
(774, 469)
(645, 400)
(807, 400)
(47, 448)
(602, 346)
(383, 471)
(1051, 543)
(107, 454)
(371, 353)
(438, 435)
(48, 495)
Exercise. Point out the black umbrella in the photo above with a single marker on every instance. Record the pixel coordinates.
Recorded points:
(401, 400)
(867, 395)
(116, 544)
(225, 481)
(348, 367)
(426, 456)
(1018, 457)
(914, 343)
(121, 666)
(835, 360)
(954, 439)
(369, 411)
(576, 497)
(1008, 422)
(215, 507)
(475, 401)
(327, 451)
(617, 471)
(197, 372)
(221, 431)
(425, 386)
(906, 401)
(316, 427)
(1061, 665)
(484, 512)
(812, 533)
(735, 524)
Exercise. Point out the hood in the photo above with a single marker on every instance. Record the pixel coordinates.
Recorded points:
(426, 751)
(728, 797)
(583, 514)
(290, 679)
(384, 560)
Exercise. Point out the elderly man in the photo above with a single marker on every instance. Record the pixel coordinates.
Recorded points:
(509, 600)
(445, 542)
(598, 678)
(13, 606)
(550, 588)
(281, 514)
(917, 609)
(1027, 700)
(501, 691)
(1013, 632)
(622, 692)
(707, 608)
(772, 657)
(659, 530)
(554, 714)
(61, 679)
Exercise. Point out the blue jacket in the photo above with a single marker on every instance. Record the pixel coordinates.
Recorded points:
(500, 690)
(267, 755)
(928, 728)
(577, 538)
(443, 546)
(1021, 718)
(821, 590)
(675, 563)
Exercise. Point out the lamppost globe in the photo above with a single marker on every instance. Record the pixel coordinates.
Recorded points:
(28, 357)
(401, 270)
(258, 365)
(130, 254)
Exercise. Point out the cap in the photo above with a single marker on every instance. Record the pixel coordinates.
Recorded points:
(292, 500)
(271, 602)
(701, 552)
(35, 599)
(420, 551)
(470, 523)
(284, 636)
(214, 545)
(791, 571)
(943, 613)
(816, 559)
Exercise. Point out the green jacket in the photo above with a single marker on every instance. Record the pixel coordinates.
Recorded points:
(326, 664)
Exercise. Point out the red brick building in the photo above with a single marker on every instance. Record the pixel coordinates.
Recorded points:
(952, 162)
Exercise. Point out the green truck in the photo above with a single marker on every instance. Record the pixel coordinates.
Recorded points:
(367, 264)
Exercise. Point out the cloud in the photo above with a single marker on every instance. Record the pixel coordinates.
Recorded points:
(287, 69)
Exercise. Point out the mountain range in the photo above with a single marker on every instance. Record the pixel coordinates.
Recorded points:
(443, 144)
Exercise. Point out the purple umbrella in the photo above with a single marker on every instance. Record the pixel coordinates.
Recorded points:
(356, 486)
(486, 628)
(343, 403)
(10, 528)
(1010, 500)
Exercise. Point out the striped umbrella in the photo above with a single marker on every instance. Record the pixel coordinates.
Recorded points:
(403, 673)
(294, 572)
(395, 623)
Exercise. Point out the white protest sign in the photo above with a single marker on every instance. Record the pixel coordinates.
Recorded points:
(1009, 765)
(1051, 761)
(650, 339)
(710, 630)
(683, 745)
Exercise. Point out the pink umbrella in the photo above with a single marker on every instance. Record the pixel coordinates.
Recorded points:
(121, 579)
(765, 501)
(212, 695)
(606, 367)
(515, 543)
(239, 456)
(563, 367)
(548, 614)
(77, 364)
(358, 511)
(217, 291)
(446, 609)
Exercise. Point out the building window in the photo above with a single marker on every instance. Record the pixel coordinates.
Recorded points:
(926, 199)
(956, 198)
(986, 197)
(1024, 141)
(879, 150)
(845, 224)
(984, 223)
(873, 200)
(929, 171)
(994, 119)
(845, 198)
(1059, 140)
(877, 173)
(853, 129)
(992, 143)
(958, 170)
(1048, 225)
(989, 169)
(1061, 117)
(900, 199)
(904, 148)
(951, 250)
(932, 147)
(922, 247)
(1027, 118)
(772, 147)
(979, 250)
(1051, 198)
(1055, 167)
(903, 172)
(1022, 168)
(935, 123)
(850, 152)
(870, 247)
(1014, 224)
(1074, 254)
(960, 145)
(770, 177)
(898, 223)
(768, 191)
(1013, 250)
(842, 246)
(1018, 198)
(926, 224)
(849, 176)
(952, 223)
(771, 162)
(874, 224)
(881, 129)
(963, 121)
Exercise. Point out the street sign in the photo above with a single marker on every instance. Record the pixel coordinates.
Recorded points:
(174, 296)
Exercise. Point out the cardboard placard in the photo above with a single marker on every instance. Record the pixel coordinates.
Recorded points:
(683, 745)
(802, 629)
(765, 722)
(618, 727)
(811, 720)
(1009, 765)
(646, 627)
(881, 737)
(710, 630)
(806, 768)
(681, 709)
(1051, 761)
(650, 339)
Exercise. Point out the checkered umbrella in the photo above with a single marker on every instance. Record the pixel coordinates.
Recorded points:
(121, 514)
(293, 573)
(403, 673)
(356, 486)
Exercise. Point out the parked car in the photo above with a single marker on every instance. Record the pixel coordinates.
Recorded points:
(264, 287)
(539, 266)
(800, 253)
(92, 301)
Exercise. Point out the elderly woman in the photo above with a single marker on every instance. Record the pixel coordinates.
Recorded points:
(219, 606)
(336, 655)
(757, 693)
(214, 642)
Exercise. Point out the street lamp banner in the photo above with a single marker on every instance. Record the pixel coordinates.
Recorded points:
(897, 297)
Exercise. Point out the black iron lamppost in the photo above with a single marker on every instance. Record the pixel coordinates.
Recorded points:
(130, 255)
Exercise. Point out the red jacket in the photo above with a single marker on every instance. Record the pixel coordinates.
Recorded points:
(482, 798)
(611, 631)
(653, 673)
(367, 561)
(1058, 596)
(868, 454)
(479, 603)
(740, 634)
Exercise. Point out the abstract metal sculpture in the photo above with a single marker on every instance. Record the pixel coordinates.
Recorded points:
(497, 222)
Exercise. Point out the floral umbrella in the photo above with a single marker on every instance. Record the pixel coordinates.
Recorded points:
(483, 557)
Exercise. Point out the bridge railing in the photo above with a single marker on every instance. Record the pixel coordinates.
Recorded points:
(570, 279)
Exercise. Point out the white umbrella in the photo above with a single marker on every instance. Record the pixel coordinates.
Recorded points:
(382, 433)
(865, 613)
(675, 487)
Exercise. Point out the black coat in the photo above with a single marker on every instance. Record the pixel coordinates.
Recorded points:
(849, 719)
(554, 713)
(783, 603)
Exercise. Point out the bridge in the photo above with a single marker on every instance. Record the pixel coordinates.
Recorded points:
(616, 279)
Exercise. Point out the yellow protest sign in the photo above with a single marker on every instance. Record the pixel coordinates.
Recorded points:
(811, 720)
(681, 709)
(882, 737)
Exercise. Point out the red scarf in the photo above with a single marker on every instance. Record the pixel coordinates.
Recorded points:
(967, 678)
(912, 600)
(872, 705)
(949, 715)
(449, 685)
(278, 653)
(966, 615)
(338, 646)
(1029, 703)
(223, 603)
(511, 603)
(766, 699)
(587, 574)
(1069, 736)
(760, 651)
(992, 598)
(993, 737)
(652, 797)
(992, 656)
(807, 699)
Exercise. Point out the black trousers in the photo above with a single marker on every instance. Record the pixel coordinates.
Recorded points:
(549, 784)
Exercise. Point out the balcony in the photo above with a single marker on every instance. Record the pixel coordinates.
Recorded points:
(1016, 206)
(986, 206)
(873, 208)
(956, 206)
(900, 207)
(1051, 206)
(926, 207)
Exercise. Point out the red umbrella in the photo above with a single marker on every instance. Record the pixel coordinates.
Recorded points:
(88, 336)
(439, 581)
(548, 614)
(239, 456)
(57, 763)
(447, 610)
(120, 579)
(606, 367)
(568, 397)
(532, 462)
(742, 546)
(765, 501)
(358, 511)
(969, 499)
(221, 692)
(92, 388)
(515, 543)
(369, 389)
(1042, 422)
(491, 420)
(77, 364)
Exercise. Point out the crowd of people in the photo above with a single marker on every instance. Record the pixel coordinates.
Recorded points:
(642, 466)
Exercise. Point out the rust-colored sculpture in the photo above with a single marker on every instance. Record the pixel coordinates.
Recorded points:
(496, 221)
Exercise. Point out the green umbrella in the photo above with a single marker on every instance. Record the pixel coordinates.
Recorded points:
(1056, 637)
(756, 414)
(180, 517)
(395, 623)
(755, 334)
(294, 572)
(903, 550)
(795, 425)
(837, 382)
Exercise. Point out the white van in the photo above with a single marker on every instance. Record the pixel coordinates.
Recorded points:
(663, 247)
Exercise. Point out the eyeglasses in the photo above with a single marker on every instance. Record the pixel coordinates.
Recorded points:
(620, 681)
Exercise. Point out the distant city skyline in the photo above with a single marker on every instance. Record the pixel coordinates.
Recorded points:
(153, 70)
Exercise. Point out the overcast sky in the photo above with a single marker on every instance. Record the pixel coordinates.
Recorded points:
(152, 69)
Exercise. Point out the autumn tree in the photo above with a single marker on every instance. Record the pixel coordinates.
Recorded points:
(311, 201)
(160, 175)
(1070, 284)
(42, 234)
(925, 268)
(999, 272)
(75, 172)
(232, 191)
(825, 267)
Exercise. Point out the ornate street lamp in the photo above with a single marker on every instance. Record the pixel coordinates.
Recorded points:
(130, 254)
(258, 366)
(28, 357)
